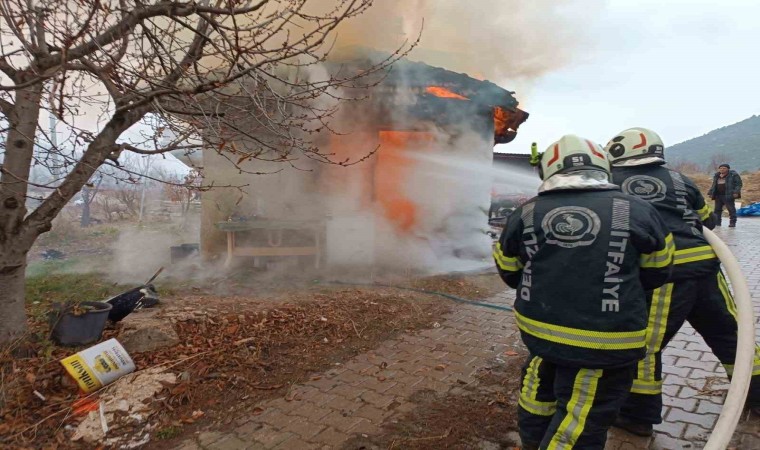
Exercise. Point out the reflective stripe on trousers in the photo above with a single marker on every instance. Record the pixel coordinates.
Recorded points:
(646, 375)
(584, 391)
(529, 392)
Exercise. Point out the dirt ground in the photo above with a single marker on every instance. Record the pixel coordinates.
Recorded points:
(235, 350)
(474, 417)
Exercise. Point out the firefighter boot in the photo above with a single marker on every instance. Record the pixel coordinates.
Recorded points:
(633, 427)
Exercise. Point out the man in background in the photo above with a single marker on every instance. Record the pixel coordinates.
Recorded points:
(726, 188)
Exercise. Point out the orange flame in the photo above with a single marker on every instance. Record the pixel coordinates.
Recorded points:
(393, 170)
(500, 120)
(444, 93)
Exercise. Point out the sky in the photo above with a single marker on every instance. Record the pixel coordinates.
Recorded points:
(680, 68)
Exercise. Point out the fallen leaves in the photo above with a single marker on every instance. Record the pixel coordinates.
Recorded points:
(231, 358)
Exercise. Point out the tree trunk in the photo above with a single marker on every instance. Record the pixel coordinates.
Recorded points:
(12, 311)
(86, 200)
(15, 239)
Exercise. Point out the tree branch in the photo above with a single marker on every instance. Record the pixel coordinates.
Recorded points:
(127, 24)
(6, 107)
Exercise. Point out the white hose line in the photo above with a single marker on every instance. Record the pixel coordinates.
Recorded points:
(745, 348)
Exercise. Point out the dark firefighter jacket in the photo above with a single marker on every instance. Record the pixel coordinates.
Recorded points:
(733, 185)
(581, 262)
(683, 209)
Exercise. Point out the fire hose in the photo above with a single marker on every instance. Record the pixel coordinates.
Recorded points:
(745, 348)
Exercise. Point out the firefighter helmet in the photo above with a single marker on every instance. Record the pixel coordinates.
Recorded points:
(635, 143)
(572, 153)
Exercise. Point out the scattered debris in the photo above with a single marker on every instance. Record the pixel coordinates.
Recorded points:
(51, 255)
(144, 296)
(99, 365)
(125, 303)
(75, 324)
(126, 402)
(184, 251)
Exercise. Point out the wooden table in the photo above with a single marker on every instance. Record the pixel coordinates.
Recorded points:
(274, 231)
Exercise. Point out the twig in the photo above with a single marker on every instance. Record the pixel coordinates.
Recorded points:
(429, 438)
(155, 275)
(355, 330)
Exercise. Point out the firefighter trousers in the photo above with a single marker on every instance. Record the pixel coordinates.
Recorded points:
(562, 408)
(707, 304)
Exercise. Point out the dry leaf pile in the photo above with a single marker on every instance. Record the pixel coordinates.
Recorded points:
(232, 355)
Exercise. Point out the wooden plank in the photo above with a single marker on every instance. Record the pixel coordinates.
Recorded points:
(275, 251)
(230, 249)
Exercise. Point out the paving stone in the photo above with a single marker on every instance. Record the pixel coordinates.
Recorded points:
(271, 437)
(377, 400)
(231, 443)
(688, 392)
(331, 437)
(708, 407)
(188, 445)
(685, 404)
(347, 391)
(249, 428)
(703, 420)
(671, 428)
(372, 413)
(298, 444)
(341, 422)
(662, 442)
(696, 433)
(208, 438)
(367, 427)
(697, 346)
(304, 428)
(311, 411)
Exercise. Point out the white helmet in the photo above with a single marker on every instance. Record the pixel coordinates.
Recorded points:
(635, 143)
(572, 153)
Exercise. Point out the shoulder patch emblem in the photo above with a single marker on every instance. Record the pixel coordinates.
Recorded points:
(571, 226)
(645, 187)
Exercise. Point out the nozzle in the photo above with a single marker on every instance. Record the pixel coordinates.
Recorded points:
(535, 158)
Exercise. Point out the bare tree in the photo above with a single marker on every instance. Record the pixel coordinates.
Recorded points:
(718, 159)
(110, 206)
(89, 192)
(129, 196)
(183, 191)
(687, 167)
(118, 74)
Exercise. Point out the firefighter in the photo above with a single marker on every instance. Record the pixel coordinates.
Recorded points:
(581, 256)
(696, 292)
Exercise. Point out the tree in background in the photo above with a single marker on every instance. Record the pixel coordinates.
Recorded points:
(100, 69)
(718, 159)
(687, 167)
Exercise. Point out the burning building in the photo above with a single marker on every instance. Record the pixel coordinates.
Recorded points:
(418, 201)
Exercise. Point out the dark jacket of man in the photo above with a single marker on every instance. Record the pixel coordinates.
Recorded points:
(733, 185)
